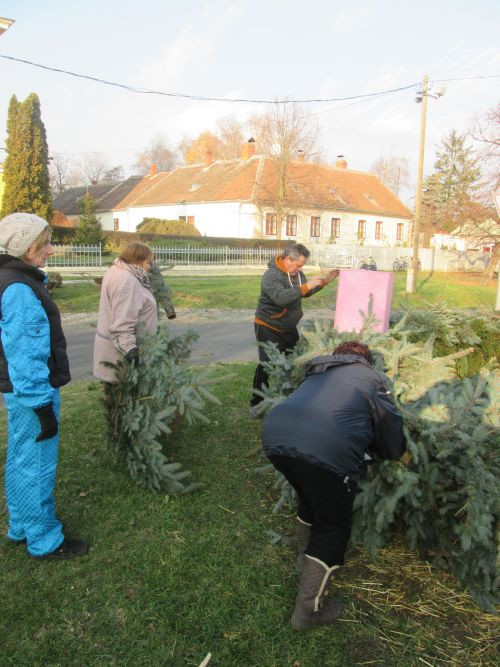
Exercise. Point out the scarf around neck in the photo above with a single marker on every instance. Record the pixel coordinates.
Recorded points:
(140, 273)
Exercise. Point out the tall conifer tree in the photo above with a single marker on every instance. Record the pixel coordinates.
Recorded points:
(26, 174)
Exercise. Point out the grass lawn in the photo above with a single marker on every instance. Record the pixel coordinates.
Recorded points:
(242, 292)
(170, 579)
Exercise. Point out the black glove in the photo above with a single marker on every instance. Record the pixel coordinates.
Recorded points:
(132, 357)
(48, 422)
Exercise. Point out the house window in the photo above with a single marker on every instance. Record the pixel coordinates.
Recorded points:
(335, 228)
(271, 224)
(182, 218)
(315, 225)
(361, 229)
(116, 224)
(399, 231)
(190, 220)
(291, 225)
(378, 230)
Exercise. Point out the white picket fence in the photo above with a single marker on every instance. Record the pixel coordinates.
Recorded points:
(328, 256)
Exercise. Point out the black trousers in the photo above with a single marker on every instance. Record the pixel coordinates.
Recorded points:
(325, 502)
(285, 341)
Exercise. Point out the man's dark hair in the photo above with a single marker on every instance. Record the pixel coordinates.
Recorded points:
(295, 251)
(355, 347)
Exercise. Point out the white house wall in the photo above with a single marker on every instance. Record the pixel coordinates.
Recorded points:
(233, 219)
(106, 220)
(348, 228)
(243, 220)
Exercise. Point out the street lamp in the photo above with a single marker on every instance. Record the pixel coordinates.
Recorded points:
(5, 24)
(422, 95)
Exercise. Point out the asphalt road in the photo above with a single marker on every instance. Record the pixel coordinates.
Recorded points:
(220, 341)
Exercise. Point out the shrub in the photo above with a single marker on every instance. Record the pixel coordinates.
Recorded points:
(55, 280)
(169, 227)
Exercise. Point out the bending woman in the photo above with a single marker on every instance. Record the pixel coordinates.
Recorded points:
(33, 365)
(126, 299)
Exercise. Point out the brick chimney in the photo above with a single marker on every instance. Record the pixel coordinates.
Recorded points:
(341, 163)
(248, 149)
(153, 170)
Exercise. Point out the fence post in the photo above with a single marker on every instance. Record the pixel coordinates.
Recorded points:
(226, 255)
(100, 254)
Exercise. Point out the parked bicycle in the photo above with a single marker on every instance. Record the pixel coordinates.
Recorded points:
(367, 263)
(401, 264)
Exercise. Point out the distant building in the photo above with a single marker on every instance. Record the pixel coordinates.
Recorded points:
(237, 198)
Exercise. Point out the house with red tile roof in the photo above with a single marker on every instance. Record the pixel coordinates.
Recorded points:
(238, 198)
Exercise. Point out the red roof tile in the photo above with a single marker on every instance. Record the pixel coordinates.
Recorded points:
(308, 186)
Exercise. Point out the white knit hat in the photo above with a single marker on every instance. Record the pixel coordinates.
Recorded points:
(18, 231)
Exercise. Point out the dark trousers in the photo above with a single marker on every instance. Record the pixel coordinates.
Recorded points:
(325, 502)
(285, 342)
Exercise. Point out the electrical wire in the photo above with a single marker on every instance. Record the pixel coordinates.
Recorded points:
(202, 98)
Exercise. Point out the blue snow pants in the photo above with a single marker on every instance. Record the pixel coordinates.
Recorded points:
(30, 475)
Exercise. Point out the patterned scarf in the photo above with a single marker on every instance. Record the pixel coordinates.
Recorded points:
(140, 273)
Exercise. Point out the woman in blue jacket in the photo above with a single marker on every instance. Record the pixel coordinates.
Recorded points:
(319, 438)
(33, 365)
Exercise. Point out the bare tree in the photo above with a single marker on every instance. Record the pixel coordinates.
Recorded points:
(485, 131)
(231, 137)
(114, 175)
(92, 168)
(159, 153)
(285, 133)
(62, 174)
(393, 171)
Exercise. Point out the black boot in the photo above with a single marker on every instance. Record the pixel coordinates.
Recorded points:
(69, 548)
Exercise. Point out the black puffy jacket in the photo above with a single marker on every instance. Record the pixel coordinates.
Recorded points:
(342, 410)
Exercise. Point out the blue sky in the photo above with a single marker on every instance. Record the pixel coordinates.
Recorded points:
(254, 49)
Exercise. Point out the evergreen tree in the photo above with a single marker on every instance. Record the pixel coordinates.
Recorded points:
(149, 402)
(89, 231)
(454, 183)
(445, 499)
(26, 174)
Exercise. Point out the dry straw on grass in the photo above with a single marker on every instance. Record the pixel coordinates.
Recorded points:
(413, 611)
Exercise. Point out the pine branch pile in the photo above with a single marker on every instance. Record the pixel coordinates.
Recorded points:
(147, 404)
(446, 500)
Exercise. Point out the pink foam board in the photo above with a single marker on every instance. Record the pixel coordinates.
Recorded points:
(356, 288)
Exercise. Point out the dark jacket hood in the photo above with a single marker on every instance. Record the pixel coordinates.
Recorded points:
(324, 362)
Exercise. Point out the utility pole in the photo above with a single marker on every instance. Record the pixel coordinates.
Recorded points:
(411, 277)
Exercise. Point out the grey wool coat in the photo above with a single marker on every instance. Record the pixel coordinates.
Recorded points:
(124, 303)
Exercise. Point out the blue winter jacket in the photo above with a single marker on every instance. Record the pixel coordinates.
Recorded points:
(33, 353)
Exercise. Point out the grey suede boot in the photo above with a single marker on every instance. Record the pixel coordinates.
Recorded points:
(312, 608)
(303, 535)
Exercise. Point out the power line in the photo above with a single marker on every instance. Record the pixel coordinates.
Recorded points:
(201, 98)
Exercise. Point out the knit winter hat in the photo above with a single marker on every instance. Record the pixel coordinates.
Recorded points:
(18, 231)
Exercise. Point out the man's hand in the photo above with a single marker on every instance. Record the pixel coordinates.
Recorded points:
(331, 276)
(316, 281)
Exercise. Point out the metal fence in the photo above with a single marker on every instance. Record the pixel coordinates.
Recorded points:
(325, 256)
(227, 256)
(75, 255)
